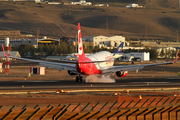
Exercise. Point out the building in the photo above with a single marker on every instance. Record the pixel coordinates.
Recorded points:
(24, 0)
(102, 41)
(48, 41)
(17, 42)
(106, 41)
(166, 51)
(81, 2)
(135, 56)
(133, 5)
(35, 42)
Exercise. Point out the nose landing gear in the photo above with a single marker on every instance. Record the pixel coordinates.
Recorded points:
(79, 78)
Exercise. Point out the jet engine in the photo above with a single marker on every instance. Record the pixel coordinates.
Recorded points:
(71, 73)
(121, 74)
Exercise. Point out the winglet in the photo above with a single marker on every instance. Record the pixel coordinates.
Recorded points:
(4, 51)
(176, 56)
(80, 44)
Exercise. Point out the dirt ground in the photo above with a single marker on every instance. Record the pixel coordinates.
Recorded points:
(44, 99)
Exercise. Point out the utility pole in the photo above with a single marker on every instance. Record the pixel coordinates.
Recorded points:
(76, 43)
(107, 25)
(177, 36)
(145, 32)
(70, 11)
(37, 33)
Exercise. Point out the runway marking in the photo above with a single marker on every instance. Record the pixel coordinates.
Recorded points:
(37, 81)
(150, 82)
(172, 78)
(156, 84)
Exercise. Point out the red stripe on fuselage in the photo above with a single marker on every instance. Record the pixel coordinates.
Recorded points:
(88, 68)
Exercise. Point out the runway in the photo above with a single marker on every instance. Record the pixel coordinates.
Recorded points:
(124, 83)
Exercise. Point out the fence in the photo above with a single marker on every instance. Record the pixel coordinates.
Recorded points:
(161, 109)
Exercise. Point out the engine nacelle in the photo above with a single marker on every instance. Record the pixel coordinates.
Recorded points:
(121, 74)
(71, 73)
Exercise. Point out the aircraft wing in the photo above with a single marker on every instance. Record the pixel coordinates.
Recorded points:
(55, 65)
(124, 68)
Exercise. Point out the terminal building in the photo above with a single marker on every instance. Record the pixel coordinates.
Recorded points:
(35, 42)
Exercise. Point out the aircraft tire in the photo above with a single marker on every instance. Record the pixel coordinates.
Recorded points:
(80, 78)
(77, 78)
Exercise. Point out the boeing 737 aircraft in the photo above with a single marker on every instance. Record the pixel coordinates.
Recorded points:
(100, 63)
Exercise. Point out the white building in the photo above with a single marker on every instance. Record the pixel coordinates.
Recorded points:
(133, 5)
(35, 42)
(133, 48)
(105, 41)
(166, 50)
(37, 1)
(139, 56)
(17, 42)
(107, 5)
(81, 2)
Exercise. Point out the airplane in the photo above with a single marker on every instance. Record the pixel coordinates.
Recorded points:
(100, 63)
(116, 54)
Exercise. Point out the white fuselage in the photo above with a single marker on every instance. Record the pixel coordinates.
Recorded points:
(102, 56)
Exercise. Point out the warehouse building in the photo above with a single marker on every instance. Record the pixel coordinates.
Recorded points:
(133, 5)
(166, 51)
(102, 41)
(35, 42)
(112, 41)
(135, 56)
(81, 2)
(24, 0)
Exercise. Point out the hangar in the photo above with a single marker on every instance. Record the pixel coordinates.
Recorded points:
(35, 42)
(48, 41)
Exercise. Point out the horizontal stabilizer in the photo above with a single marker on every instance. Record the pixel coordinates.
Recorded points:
(95, 61)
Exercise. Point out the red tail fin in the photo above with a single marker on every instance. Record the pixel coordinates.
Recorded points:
(80, 44)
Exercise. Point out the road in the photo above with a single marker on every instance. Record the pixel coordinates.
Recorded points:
(124, 83)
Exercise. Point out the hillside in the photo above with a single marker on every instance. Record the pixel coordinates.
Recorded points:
(158, 20)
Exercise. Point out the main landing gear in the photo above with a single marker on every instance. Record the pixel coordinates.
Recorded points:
(79, 78)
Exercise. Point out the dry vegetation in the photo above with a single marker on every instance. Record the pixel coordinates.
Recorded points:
(160, 16)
